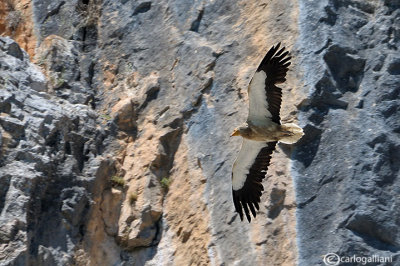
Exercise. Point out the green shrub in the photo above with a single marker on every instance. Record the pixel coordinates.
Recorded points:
(60, 82)
(133, 198)
(106, 117)
(165, 182)
(117, 181)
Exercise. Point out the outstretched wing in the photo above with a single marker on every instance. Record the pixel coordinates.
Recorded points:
(264, 96)
(248, 171)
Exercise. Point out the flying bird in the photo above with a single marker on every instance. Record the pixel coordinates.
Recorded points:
(261, 131)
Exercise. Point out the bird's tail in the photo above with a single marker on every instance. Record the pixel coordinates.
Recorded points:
(292, 133)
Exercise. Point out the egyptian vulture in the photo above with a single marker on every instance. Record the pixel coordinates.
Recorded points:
(261, 132)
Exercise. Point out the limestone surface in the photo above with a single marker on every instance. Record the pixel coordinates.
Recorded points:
(115, 125)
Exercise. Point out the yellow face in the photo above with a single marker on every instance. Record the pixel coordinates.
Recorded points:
(236, 132)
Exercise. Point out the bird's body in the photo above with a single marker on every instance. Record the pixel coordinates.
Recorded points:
(286, 133)
(261, 132)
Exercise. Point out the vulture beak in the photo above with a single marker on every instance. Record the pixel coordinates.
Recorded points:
(235, 133)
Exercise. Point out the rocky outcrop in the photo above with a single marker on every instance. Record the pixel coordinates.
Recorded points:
(16, 21)
(115, 146)
(50, 157)
(347, 166)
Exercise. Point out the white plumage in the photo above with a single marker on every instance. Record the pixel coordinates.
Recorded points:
(246, 157)
(258, 105)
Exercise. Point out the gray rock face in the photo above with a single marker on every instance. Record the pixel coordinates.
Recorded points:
(145, 93)
(346, 167)
(50, 151)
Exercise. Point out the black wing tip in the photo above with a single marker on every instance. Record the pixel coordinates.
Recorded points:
(237, 204)
(276, 57)
(242, 204)
(242, 199)
(281, 53)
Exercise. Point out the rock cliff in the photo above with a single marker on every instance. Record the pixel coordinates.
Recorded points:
(115, 124)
